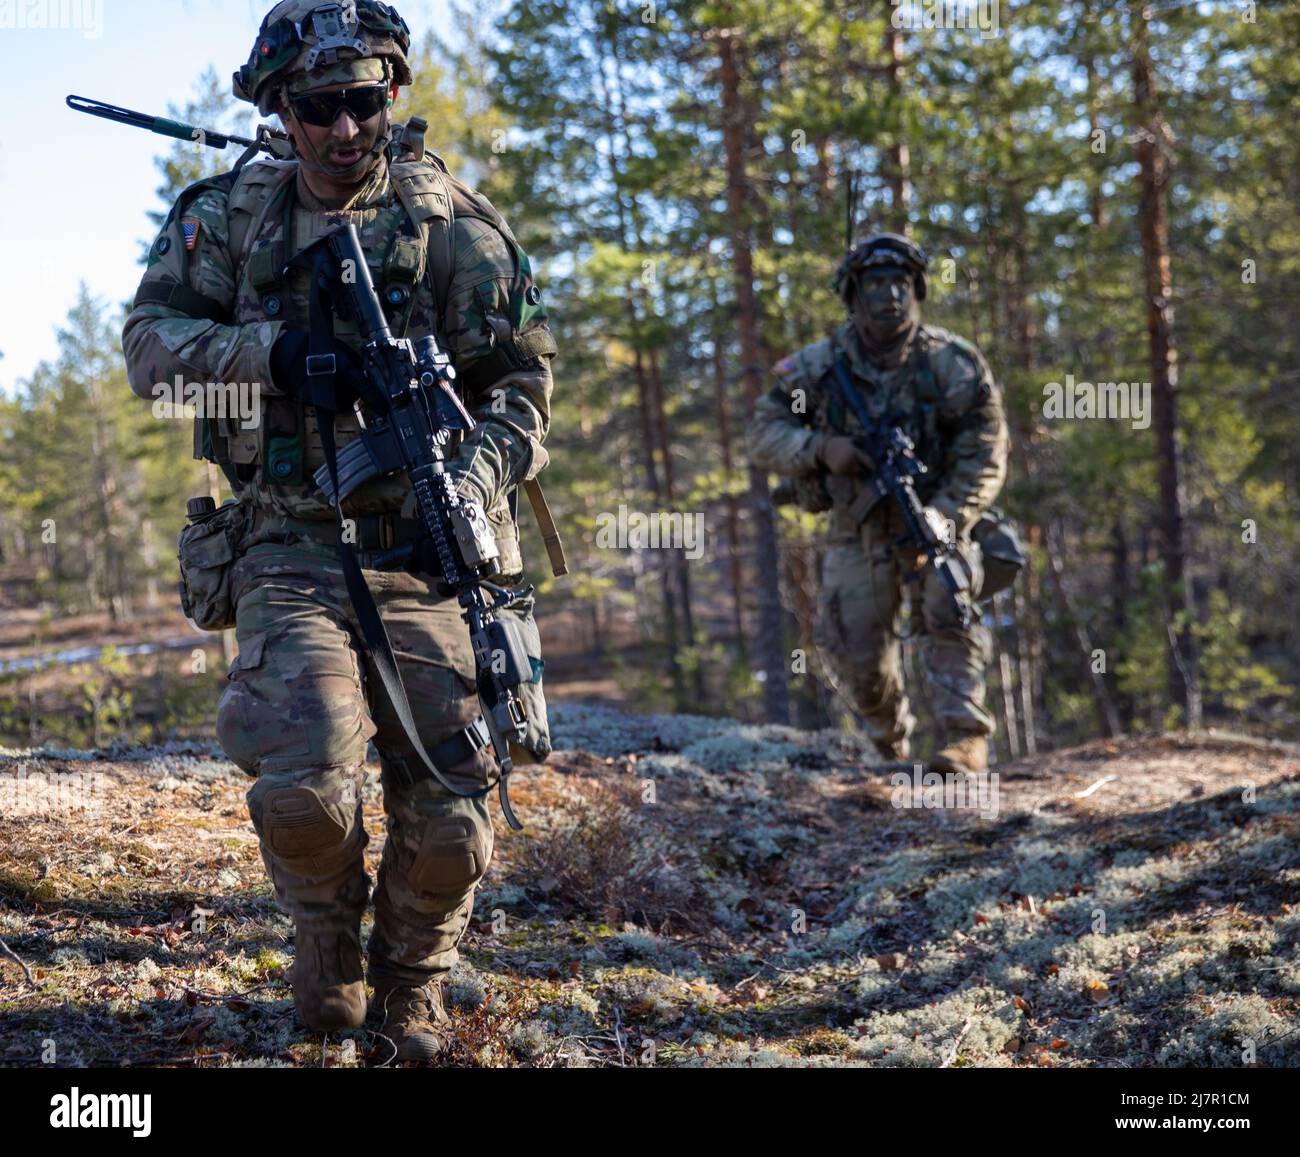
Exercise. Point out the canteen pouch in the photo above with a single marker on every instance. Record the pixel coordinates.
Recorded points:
(1003, 556)
(536, 744)
(207, 549)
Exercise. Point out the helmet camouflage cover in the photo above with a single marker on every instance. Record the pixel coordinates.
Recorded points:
(882, 249)
(308, 37)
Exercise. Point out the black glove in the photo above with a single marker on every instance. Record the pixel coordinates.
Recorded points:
(289, 370)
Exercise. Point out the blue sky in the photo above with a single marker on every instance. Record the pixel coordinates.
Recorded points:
(74, 190)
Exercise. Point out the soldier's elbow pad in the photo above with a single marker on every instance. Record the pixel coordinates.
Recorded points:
(139, 377)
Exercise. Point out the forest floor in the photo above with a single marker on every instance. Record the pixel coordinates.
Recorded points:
(692, 891)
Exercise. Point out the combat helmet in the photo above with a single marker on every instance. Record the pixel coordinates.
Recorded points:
(882, 249)
(304, 36)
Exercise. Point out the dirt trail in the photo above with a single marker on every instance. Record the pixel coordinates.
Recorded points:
(693, 891)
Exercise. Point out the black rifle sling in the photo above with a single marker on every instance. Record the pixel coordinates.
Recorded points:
(324, 403)
(849, 392)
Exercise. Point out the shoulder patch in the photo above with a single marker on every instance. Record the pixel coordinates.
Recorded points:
(204, 217)
(803, 368)
(206, 198)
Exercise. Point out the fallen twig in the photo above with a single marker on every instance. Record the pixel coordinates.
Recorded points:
(1087, 791)
(27, 972)
(618, 1036)
(212, 996)
(952, 1053)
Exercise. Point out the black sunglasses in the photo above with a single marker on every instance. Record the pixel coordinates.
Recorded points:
(322, 108)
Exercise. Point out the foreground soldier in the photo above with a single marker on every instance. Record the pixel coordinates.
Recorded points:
(218, 303)
(941, 393)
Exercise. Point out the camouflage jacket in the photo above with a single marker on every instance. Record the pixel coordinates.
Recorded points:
(943, 395)
(215, 297)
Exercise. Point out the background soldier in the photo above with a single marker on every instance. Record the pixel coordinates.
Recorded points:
(218, 302)
(943, 395)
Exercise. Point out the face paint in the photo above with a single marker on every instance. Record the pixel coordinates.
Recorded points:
(884, 301)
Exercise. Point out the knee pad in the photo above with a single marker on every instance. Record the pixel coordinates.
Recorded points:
(453, 856)
(312, 825)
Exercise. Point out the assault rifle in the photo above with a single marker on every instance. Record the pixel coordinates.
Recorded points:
(414, 424)
(896, 467)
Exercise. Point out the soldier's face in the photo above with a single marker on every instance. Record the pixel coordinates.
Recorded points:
(882, 302)
(347, 140)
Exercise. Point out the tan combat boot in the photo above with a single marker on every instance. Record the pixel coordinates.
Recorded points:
(963, 753)
(414, 1018)
(328, 987)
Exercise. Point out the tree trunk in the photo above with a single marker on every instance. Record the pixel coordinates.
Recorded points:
(1096, 199)
(770, 642)
(616, 128)
(899, 166)
(1121, 594)
(1025, 672)
(676, 558)
(109, 517)
(1107, 717)
(1019, 316)
(1152, 148)
(728, 465)
(648, 442)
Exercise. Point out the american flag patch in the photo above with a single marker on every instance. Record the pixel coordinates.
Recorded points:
(190, 226)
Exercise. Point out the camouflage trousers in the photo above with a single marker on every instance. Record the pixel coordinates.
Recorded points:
(298, 712)
(859, 631)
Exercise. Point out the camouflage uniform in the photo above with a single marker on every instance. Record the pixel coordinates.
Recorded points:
(952, 410)
(297, 712)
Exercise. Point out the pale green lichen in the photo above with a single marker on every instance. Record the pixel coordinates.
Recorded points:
(531, 1039)
(1235, 1031)
(969, 1026)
